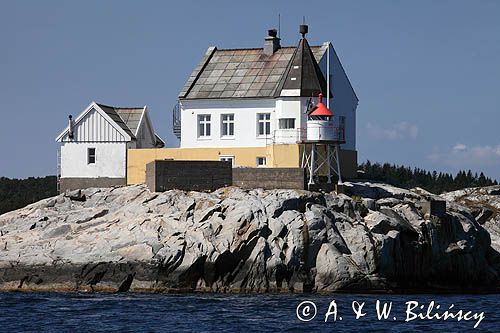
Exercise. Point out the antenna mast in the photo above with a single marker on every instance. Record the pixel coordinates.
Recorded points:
(279, 25)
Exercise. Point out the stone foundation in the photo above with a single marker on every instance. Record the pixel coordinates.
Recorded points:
(68, 184)
(269, 178)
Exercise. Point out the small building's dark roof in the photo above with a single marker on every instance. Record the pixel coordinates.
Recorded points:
(127, 118)
(131, 117)
(237, 73)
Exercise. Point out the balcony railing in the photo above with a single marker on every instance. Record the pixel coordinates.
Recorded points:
(176, 120)
(299, 135)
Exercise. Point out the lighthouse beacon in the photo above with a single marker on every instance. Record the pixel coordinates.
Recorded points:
(322, 145)
(320, 123)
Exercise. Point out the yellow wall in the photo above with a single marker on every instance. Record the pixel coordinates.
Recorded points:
(285, 156)
(282, 156)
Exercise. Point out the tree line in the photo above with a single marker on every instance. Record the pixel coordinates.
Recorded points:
(435, 182)
(17, 193)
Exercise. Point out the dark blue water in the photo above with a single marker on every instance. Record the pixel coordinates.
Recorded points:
(39, 312)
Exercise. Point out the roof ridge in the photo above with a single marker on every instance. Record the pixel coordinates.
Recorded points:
(261, 48)
(120, 107)
(111, 112)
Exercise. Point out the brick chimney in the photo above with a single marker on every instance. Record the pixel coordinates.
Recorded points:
(272, 42)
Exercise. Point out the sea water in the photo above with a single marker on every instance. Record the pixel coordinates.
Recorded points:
(129, 312)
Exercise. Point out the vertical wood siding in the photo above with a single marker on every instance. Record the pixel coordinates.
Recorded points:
(95, 128)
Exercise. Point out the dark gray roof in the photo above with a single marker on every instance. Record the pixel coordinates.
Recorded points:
(237, 73)
(131, 117)
(127, 118)
(303, 73)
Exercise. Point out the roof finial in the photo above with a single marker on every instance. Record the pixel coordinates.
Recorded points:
(320, 98)
(303, 30)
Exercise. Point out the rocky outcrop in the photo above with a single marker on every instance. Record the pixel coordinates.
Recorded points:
(483, 204)
(233, 240)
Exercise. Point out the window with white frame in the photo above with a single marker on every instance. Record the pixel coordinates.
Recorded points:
(261, 161)
(227, 125)
(263, 124)
(227, 158)
(286, 123)
(204, 129)
(91, 156)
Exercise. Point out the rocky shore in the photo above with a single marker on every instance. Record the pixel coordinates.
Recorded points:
(376, 238)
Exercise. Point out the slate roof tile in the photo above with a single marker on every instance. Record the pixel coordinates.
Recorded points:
(238, 73)
(127, 118)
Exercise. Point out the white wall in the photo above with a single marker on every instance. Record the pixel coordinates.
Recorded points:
(344, 101)
(111, 160)
(245, 122)
(291, 107)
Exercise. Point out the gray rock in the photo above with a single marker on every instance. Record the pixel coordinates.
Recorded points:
(389, 202)
(482, 214)
(238, 240)
(370, 203)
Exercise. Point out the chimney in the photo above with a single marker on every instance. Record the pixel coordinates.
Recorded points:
(272, 42)
(70, 132)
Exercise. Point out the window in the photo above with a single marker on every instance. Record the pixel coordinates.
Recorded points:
(263, 124)
(91, 156)
(227, 158)
(204, 125)
(261, 161)
(227, 123)
(287, 123)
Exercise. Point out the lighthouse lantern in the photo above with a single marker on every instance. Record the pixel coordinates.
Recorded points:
(320, 123)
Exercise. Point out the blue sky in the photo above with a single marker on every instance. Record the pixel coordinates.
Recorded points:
(426, 72)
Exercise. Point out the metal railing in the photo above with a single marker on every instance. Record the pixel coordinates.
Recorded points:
(176, 120)
(298, 135)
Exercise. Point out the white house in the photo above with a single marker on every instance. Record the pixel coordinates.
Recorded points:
(94, 145)
(257, 97)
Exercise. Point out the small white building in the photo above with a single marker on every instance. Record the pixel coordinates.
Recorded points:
(94, 145)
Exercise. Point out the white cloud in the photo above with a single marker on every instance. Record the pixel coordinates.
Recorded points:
(398, 131)
(463, 156)
(459, 147)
